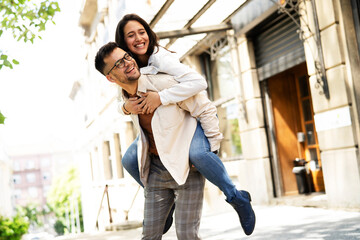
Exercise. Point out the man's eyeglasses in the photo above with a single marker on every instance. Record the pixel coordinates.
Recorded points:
(121, 63)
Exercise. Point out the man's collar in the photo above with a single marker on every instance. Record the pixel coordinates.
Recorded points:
(142, 88)
(142, 84)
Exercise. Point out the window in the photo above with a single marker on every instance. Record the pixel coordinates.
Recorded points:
(107, 160)
(119, 167)
(16, 179)
(17, 193)
(356, 12)
(30, 164)
(16, 166)
(222, 89)
(96, 164)
(45, 162)
(46, 190)
(30, 177)
(46, 176)
(33, 192)
(91, 167)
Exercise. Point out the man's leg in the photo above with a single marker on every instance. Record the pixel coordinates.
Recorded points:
(189, 202)
(130, 163)
(159, 198)
(158, 203)
(212, 168)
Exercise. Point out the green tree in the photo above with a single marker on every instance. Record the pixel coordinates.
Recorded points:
(62, 192)
(25, 20)
(13, 228)
(32, 213)
(2, 118)
(59, 227)
(235, 136)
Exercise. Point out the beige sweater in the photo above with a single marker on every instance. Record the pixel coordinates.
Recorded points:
(173, 128)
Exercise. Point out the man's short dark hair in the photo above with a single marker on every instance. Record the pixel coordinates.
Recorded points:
(103, 52)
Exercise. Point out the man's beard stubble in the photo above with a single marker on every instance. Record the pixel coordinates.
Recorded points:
(135, 77)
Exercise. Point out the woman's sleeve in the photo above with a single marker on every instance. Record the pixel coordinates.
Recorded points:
(190, 81)
(199, 106)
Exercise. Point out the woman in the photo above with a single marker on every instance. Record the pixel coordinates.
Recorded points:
(134, 35)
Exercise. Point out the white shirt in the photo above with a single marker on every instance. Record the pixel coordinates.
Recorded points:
(173, 128)
(191, 82)
(164, 61)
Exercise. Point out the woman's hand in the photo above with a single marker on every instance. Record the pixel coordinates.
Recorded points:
(151, 102)
(134, 105)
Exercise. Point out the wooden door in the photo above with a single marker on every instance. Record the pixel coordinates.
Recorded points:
(310, 144)
(293, 114)
(285, 108)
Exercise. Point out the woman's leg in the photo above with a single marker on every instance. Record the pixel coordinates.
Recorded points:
(130, 161)
(212, 168)
(209, 164)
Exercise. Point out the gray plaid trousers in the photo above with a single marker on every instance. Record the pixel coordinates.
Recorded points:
(160, 194)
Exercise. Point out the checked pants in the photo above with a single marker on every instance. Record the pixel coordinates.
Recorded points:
(162, 192)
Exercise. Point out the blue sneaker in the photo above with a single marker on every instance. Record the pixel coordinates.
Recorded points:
(241, 204)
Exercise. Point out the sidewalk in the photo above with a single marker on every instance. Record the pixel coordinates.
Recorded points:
(278, 222)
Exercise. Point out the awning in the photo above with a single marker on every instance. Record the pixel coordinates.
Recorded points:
(181, 32)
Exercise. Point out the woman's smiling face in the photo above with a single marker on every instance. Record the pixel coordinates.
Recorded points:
(136, 38)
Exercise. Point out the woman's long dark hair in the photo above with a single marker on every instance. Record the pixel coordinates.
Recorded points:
(120, 38)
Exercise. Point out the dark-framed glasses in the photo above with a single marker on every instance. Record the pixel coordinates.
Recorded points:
(121, 62)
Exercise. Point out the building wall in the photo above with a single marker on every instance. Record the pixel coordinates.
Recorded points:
(33, 174)
(6, 185)
(100, 153)
(255, 172)
(338, 137)
(339, 145)
(105, 140)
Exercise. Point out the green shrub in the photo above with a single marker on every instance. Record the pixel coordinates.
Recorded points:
(59, 227)
(13, 229)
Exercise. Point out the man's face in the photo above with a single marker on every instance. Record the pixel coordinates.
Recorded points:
(126, 72)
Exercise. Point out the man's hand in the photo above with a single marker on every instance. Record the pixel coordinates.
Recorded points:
(134, 105)
(151, 102)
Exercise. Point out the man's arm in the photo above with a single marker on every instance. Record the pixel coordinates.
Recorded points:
(129, 106)
(199, 106)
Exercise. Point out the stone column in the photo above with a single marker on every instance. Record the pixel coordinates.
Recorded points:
(335, 118)
(255, 172)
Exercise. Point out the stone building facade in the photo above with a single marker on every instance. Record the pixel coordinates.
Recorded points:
(283, 74)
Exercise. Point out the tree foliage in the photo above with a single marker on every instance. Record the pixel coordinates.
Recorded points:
(32, 213)
(65, 188)
(13, 228)
(2, 118)
(25, 19)
(235, 136)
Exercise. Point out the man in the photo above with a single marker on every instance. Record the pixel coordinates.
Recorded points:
(172, 128)
(164, 167)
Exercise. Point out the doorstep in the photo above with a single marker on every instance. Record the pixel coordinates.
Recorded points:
(315, 199)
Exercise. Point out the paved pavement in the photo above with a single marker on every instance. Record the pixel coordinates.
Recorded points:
(277, 222)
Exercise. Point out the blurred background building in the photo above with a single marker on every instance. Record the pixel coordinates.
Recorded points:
(284, 75)
(33, 173)
(6, 185)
